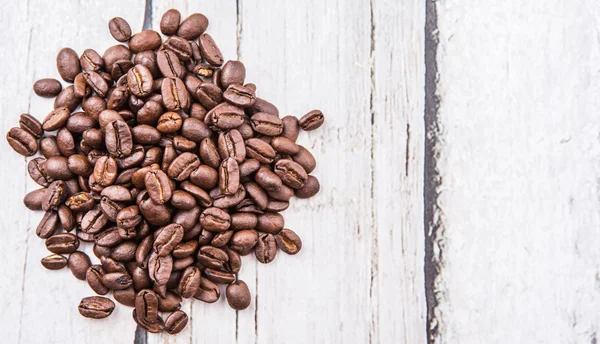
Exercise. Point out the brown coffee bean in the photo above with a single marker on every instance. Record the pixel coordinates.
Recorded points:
(210, 51)
(217, 276)
(207, 94)
(231, 144)
(215, 219)
(220, 200)
(185, 249)
(31, 125)
(205, 177)
(175, 95)
(266, 248)
(238, 295)
(283, 193)
(117, 280)
(290, 128)
(176, 322)
(305, 159)
(270, 223)
(257, 194)
(169, 23)
(96, 307)
(47, 225)
(169, 65)
(195, 130)
(91, 61)
(193, 26)
(249, 166)
(47, 88)
(93, 221)
(80, 202)
(54, 262)
(170, 303)
(267, 124)
(288, 241)
(243, 241)
(140, 80)
(276, 206)
(158, 186)
(311, 187)
(284, 145)
(65, 142)
(79, 263)
(208, 291)
(145, 40)
(239, 95)
(37, 172)
(189, 282)
(233, 72)
(67, 63)
(268, 180)
(240, 221)
(119, 29)
(117, 193)
(291, 173)
(56, 119)
(93, 276)
(261, 105)
(129, 217)
(54, 195)
(169, 237)
(169, 122)
(260, 150)
(67, 98)
(105, 171)
(80, 122)
(221, 239)
(33, 200)
(209, 153)
(62, 243)
(48, 146)
(160, 268)
(225, 116)
(312, 120)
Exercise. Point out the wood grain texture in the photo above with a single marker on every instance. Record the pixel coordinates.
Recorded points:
(41, 305)
(520, 167)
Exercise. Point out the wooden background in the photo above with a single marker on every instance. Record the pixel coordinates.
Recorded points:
(459, 166)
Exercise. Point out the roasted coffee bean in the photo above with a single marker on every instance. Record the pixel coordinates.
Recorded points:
(145, 40)
(181, 168)
(120, 68)
(54, 262)
(66, 142)
(229, 176)
(94, 221)
(305, 159)
(117, 280)
(175, 95)
(284, 145)
(169, 237)
(312, 120)
(193, 26)
(217, 276)
(22, 141)
(146, 305)
(80, 202)
(209, 153)
(105, 171)
(47, 88)
(67, 63)
(170, 303)
(93, 106)
(189, 282)
(260, 150)
(249, 166)
(185, 249)
(169, 122)
(168, 63)
(32, 125)
(231, 145)
(80, 122)
(276, 206)
(108, 237)
(202, 197)
(267, 179)
(96, 307)
(62, 243)
(290, 128)
(215, 219)
(66, 218)
(80, 87)
(208, 94)
(117, 193)
(67, 98)
(212, 257)
(208, 291)
(154, 327)
(47, 225)
(267, 124)
(288, 241)
(96, 83)
(140, 80)
(220, 200)
(238, 295)
(169, 23)
(155, 214)
(239, 95)
(36, 170)
(310, 188)
(176, 322)
(184, 145)
(119, 29)
(261, 105)
(187, 218)
(248, 205)
(142, 252)
(270, 223)
(210, 51)
(240, 221)
(257, 194)
(125, 251)
(221, 239)
(114, 54)
(283, 193)
(291, 173)
(125, 297)
(246, 130)
(91, 61)
(233, 72)
(195, 130)
(57, 167)
(158, 186)
(79, 263)
(33, 200)
(225, 116)
(204, 236)
(48, 146)
(205, 177)
(266, 248)
(56, 119)
(129, 217)
(159, 268)
(93, 276)
(54, 195)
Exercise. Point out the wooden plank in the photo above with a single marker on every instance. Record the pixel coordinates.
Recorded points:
(519, 163)
(42, 305)
(305, 55)
(214, 323)
(397, 278)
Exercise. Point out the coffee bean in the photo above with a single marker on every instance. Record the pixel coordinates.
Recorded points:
(207, 94)
(185, 249)
(145, 40)
(169, 65)
(47, 225)
(94, 221)
(283, 145)
(119, 29)
(67, 98)
(54, 262)
(181, 168)
(80, 202)
(311, 187)
(155, 327)
(169, 23)
(220, 200)
(193, 26)
(209, 153)
(47, 88)
(249, 166)
(160, 267)
(221, 239)
(169, 237)
(96, 307)
(283, 193)
(66, 142)
(184, 145)
(239, 95)
(33, 200)
(48, 146)
(231, 144)
(94, 276)
(91, 61)
(56, 119)
(117, 280)
(208, 291)
(233, 72)
(260, 150)
(288, 241)
(290, 128)
(80, 122)
(158, 186)
(312, 120)
(195, 130)
(212, 257)
(267, 179)
(96, 83)
(117, 193)
(140, 80)
(217, 276)
(176, 322)
(266, 248)
(62, 243)
(67, 63)
(215, 219)
(169, 122)
(37, 172)
(270, 223)
(205, 177)
(241, 221)
(31, 125)
(276, 206)
(55, 194)
(266, 124)
(66, 218)
(105, 171)
(291, 173)
(129, 217)
(238, 295)
(146, 306)
(22, 141)
(79, 263)
(225, 116)
(243, 241)
(189, 282)
(257, 194)
(210, 51)
(305, 159)
(170, 303)
(175, 95)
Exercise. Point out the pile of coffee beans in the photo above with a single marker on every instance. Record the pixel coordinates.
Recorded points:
(172, 169)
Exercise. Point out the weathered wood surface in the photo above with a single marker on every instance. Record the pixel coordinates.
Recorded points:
(359, 277)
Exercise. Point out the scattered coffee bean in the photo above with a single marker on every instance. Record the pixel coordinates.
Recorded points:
(96, 307)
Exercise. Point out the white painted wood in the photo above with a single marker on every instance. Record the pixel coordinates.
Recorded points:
(39, 305)
(519, 161)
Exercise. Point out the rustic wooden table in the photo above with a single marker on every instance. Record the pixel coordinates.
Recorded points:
(459, 165)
